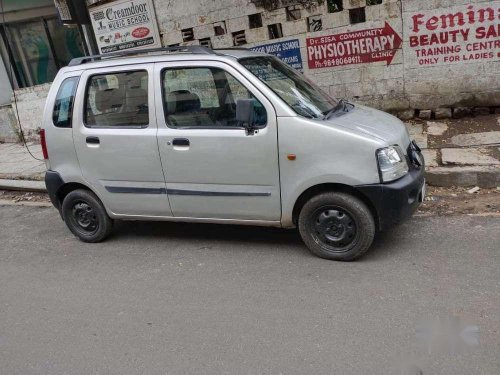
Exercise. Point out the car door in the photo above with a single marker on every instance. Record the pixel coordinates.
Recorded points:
(213, 167)
(115, 140)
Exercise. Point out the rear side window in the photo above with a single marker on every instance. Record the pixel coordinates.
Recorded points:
(117, 100)
(63, 107)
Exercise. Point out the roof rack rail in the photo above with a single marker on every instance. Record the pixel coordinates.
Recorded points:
(229, 48)
(189, 49)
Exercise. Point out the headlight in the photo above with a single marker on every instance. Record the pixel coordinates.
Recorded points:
(391, 163)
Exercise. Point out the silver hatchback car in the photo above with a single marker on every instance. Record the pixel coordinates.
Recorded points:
(223, 136)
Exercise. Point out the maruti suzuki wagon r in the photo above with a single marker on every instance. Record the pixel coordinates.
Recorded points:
(223, 136)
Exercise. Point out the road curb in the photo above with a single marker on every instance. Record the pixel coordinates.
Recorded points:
(463, 176)
(23, 185)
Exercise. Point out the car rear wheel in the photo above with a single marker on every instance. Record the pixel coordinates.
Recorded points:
(85, 216)
(336, 226)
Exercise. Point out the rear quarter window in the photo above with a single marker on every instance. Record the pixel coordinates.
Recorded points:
(63, 107)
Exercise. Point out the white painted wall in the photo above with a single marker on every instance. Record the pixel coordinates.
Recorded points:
(6, 91)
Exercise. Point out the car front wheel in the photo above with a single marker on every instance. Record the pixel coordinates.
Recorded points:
(336, 226)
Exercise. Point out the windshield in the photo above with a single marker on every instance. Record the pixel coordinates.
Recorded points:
(297, 91)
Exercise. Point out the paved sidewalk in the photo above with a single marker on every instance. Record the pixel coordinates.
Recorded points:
(460, 152)
(17, 164)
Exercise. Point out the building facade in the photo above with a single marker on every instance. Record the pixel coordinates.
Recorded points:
(397, 55)
(34, 45)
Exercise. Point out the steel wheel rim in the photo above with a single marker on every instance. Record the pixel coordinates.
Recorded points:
(334, 228)
(85, 217)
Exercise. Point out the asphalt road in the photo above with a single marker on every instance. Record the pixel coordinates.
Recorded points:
(165, 298)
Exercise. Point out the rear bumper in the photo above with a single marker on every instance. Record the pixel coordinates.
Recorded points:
(53, 183)
(398, 200)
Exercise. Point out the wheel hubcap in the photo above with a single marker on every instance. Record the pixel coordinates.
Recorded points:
(85, 217)
(334, 227)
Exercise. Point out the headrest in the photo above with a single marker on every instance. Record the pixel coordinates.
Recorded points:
(108, 99)
(133, 79)
(136, 99)
(182, 101)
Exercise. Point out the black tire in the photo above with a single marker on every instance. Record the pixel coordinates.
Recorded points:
(85, 216)
(336, 226)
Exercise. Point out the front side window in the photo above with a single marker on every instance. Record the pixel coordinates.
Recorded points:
(63, 106)
(205, 97)
(117, 100)
(302, 95)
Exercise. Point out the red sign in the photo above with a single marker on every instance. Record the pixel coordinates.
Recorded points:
(140, 32)
(357, 47)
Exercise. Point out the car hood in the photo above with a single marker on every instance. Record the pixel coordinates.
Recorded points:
(375, 123)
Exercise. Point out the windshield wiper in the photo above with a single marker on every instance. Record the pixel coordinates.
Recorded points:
(305, 110)
(341, 105)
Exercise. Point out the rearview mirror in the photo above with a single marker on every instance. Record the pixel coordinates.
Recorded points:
(245, 112)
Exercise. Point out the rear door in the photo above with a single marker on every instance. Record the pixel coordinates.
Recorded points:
(213, 168)
(115, 140)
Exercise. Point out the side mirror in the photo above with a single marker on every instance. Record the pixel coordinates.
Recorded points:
(245, 113)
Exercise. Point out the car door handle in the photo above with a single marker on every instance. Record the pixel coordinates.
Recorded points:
(180, 142)
(93, 140)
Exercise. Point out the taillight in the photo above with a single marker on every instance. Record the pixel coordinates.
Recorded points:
(44, 144)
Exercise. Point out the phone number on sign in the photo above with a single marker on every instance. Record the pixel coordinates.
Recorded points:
(337, 62)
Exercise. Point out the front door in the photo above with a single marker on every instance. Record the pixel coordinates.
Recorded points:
(115, 140)
(213, 168)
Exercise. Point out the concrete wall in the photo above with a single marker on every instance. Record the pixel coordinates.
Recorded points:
(468, 76)
(6, 92)
(8, 125)
(30, 104)
(402, 83)
(405, 75)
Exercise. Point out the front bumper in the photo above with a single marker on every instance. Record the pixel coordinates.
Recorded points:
(398, 200)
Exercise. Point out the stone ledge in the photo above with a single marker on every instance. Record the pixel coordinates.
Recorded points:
(484, 177)
(23, 185)
(468, 156)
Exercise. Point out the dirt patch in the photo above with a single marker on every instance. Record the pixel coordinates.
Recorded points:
(457, 200)
(20, 196)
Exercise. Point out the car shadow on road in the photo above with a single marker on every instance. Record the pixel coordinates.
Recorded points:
(384, 244)
(199, 231)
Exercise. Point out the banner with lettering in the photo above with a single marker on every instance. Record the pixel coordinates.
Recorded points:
(123, 25)
(467, 33)
(356, 47)
(288, 51)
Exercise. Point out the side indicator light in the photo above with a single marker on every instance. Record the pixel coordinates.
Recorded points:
(291, 156)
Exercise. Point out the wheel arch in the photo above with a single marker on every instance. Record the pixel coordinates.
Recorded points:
(68, 187)
(331, 187)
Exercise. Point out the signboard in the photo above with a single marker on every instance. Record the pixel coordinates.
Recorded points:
(63, 10)
(468, 33)
(123, 25)
(357, 47)
(288, 52)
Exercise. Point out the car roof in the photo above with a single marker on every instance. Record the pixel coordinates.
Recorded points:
(159, 55)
